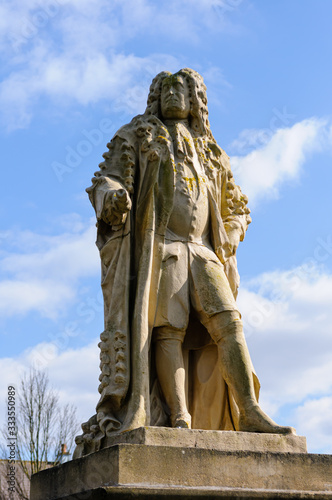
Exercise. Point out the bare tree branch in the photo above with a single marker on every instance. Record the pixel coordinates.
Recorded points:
(43, 426)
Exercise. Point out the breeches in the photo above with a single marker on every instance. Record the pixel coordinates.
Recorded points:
(192, 277)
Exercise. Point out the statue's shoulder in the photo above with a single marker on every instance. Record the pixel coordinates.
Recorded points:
(128, 130)
(138, 126)
(125, 143)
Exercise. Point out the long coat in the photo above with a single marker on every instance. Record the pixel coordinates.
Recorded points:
(141, 160)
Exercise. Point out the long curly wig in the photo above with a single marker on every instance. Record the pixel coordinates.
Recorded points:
(199, 122)
(212, 156)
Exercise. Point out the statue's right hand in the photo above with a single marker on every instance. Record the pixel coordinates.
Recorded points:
(116, 205)
(121, 201)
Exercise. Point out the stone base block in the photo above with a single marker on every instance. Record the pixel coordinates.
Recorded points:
(182, 463)
(211, 440)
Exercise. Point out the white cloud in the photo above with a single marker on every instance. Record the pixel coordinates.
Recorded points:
(72, 52)
(287, 318)
(72, 372)
(261, 172)
(41, 272)
(314, 418)
(46, 297)
(21, 21)
(66, 78)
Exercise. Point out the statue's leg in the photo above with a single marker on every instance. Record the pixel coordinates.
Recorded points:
(227, 331)
(171, 373)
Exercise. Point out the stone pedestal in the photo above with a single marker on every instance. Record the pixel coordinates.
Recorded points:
(157, 462)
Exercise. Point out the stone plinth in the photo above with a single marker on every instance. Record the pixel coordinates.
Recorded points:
(182, 463)
(211, 440)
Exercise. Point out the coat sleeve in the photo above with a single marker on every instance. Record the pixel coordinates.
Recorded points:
(117, 171)
(236, 218)
(234, 210)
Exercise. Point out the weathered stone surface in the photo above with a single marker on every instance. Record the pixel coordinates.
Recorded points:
(135, 465)
(213, 440)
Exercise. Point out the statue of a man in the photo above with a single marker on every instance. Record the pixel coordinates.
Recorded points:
(170, 219)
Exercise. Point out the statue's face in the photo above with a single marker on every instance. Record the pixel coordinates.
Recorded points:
(175, 102)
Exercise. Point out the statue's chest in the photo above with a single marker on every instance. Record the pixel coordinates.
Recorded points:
(189, 179)
(190, 213)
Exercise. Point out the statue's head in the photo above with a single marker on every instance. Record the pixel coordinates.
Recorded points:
(174, 99)
(178, 96)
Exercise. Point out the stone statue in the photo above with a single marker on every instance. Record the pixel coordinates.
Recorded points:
(170, 218)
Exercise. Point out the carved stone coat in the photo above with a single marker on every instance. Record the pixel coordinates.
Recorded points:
(141, 160)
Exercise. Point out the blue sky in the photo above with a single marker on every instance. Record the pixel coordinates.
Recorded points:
(74, 71)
